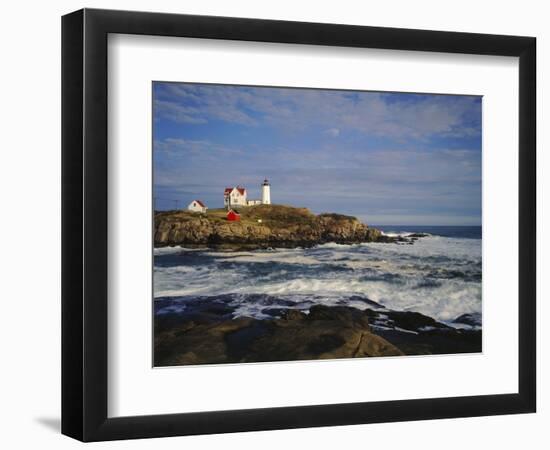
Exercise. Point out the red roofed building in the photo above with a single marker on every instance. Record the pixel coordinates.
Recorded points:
(232, 216)
(234, 196)
(197, 206)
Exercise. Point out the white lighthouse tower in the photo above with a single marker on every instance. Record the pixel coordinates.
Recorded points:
(266, 195)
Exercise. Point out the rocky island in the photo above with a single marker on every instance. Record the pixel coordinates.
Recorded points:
(260, 227)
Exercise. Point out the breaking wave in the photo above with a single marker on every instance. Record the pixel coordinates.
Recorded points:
(437, 276)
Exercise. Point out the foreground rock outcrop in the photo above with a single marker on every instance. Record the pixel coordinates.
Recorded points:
(261, 226)
(324, 333)
(206, 333)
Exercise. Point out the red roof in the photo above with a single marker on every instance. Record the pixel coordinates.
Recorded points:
(229, 189)
(200, 203)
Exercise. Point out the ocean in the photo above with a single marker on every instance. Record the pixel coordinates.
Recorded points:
(439, 276)
(466, 232)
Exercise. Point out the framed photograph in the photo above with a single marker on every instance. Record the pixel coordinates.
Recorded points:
(273, 224)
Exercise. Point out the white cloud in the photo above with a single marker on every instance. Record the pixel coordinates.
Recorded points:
(177, 112)
(185, 147)
(380, 114)
(203, 112)
(332, 132)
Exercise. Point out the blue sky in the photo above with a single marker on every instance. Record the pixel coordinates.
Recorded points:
(387, 158)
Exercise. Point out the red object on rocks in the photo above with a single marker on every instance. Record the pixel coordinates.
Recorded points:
(233, 216)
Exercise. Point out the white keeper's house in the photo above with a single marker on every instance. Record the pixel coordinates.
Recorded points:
(234, 196)
(237, 196)
(197, 206)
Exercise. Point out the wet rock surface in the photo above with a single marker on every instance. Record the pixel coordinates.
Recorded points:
(206, 332)
(472, 320)
(416, 334)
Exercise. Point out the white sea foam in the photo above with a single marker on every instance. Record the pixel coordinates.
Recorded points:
(437, 276)
(158, 251)
(396, 234)
(284, 256)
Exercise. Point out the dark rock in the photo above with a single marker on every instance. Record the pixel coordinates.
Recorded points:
(274, 312)
(413, 321)
(469, 319)
(344, 314)
(326, 332)
(435, 342)
(292, 314)
(405, 320)
(205, 333)
(368, 301)
(417, 334)
(325, 343)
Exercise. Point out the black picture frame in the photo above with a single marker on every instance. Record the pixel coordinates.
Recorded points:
(84, 224)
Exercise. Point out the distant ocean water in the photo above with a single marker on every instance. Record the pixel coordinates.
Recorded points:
(467, 232)
(439, 275)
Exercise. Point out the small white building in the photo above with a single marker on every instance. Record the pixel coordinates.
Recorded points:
(197, 206)
(234, 196)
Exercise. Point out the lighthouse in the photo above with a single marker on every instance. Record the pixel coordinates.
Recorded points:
(266, 195)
